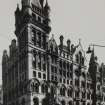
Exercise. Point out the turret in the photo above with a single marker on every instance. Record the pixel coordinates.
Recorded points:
(41, 2)
(68, 45)
(61, 41)
(46, 9)
(4, 57)
(13, 48)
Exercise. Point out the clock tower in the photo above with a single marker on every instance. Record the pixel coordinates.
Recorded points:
(32, 29)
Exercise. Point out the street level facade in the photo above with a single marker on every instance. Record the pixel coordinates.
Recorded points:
(37, 71)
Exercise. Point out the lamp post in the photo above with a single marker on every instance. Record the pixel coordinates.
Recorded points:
(92, 50)
(93, 45)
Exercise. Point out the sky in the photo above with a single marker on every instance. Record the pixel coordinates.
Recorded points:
(75, 19)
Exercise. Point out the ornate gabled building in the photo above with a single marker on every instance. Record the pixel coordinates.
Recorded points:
(96, 72)
(37, 71)
(102, 87)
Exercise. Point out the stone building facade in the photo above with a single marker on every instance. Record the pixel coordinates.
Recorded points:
(37, 71)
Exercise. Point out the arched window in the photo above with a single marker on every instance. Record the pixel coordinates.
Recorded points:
(69, 92)
(52, 90)
(62, 91)
(36, 101)
(36, 87)
(44, 88)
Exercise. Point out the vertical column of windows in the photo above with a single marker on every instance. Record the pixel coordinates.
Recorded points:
(54, 69)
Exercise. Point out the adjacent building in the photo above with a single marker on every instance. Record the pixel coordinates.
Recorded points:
(37, 71)
(1, 95)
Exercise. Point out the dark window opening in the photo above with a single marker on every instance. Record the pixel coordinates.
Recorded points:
(36, 101)
(39, 75)
(34, 73)
(44, 76)
(39, 19)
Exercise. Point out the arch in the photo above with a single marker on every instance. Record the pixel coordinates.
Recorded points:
(36, 101)
(63, 90)
(44, 88)
(64, 86)
(52, 89)
(35, 85)
(70, 92)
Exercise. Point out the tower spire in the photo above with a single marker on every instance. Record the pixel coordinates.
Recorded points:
(41, 2)
(46, 8)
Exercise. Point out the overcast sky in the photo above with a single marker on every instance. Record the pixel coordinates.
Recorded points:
(84, 19)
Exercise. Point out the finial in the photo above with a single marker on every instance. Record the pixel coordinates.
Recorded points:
(69, 41)
(41, 2)
(79, 40)
(46, 2)
(46, 5)
(18, 7)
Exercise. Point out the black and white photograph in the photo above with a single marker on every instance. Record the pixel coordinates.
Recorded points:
(52, 52)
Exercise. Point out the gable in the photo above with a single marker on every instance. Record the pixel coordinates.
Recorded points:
(79, 55)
